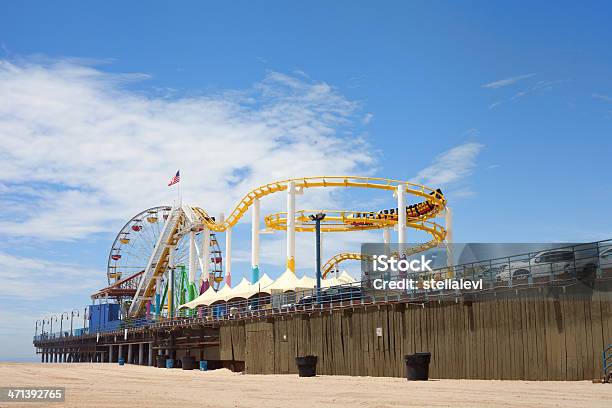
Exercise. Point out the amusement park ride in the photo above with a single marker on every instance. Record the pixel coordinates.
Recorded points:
(166, 256)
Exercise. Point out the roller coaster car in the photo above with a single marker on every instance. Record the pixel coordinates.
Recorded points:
(412, 211)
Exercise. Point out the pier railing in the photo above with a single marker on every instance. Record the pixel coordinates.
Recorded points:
(576, 265)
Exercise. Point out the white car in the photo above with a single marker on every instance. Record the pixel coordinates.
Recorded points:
(545, 263)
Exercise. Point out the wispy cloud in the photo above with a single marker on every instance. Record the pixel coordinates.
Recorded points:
(451, 166)
(81, 152)
(507, 81)
(603, 97)
(537, 87)
(34, 278)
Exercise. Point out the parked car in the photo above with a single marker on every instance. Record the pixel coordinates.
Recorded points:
(334, 294)
(543, 264)
(589, 261)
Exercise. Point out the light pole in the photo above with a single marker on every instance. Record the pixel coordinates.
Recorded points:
(62, 323)
(84, 317)
(42, 330)
(36, 330)
(71, 318)
(51, 325)
(317, 218)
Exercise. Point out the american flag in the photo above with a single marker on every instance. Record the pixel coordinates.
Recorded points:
(175, 179)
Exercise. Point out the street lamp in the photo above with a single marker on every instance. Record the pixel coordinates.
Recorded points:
(51, 323)
(42, 330)
(84, 317)
(71, 318)
(62, 323)
(36, 330)
(317, 218)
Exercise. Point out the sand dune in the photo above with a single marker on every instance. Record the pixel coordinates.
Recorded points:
(111, 385)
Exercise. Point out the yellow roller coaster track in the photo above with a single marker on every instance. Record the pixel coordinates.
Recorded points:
(325, 182)
(343, 221)
(336, 220)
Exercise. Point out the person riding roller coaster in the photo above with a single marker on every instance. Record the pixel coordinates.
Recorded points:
(412, 211)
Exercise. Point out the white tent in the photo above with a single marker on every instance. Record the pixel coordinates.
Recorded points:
(262, 284)
(243, 286)
(330, 281)
(243, 290)
(205, 298)
(287, 281)
(346, 278)
(307, 282)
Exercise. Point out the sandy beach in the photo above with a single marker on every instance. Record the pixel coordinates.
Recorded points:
(111, 385)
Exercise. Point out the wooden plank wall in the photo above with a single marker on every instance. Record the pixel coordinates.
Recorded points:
(536, 337)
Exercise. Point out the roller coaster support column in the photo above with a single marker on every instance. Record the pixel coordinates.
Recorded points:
(170, 296)
(255, 242)
(192, 257)
(386, 236)
(448, 224)
(205, 258)
(291, 226)
(401, 217)
(158, 291)
(228, 255)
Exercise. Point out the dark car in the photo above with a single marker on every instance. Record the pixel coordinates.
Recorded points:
(333, 295)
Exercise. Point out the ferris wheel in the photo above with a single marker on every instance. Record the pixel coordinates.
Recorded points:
(135, 242)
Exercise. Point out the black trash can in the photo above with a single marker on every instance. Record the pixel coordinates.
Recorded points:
(417, 366)
(188, 362)
(161, 360)
(307, 366)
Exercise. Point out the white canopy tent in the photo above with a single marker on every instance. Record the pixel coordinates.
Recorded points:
(287, 281)
(243, 290)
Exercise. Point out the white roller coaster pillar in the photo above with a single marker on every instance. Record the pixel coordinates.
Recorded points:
(386, 236)
(170, 297)
(204, 256)
(291, 226)
(228, 257)
(255, 241)
(192, 257)
(448, 224)
(401, 217)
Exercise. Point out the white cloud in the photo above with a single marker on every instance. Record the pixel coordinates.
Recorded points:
(81, 152)
(495, 105)
(507, 81)
(603, 97)
(33, 278)
(367, 118)
(451, 166)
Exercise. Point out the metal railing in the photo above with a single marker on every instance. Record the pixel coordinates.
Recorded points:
(587, 264)
(607, 362)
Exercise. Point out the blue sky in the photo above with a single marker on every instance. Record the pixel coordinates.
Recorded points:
(506, 106)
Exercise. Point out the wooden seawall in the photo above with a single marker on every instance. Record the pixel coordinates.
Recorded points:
(534, 335)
